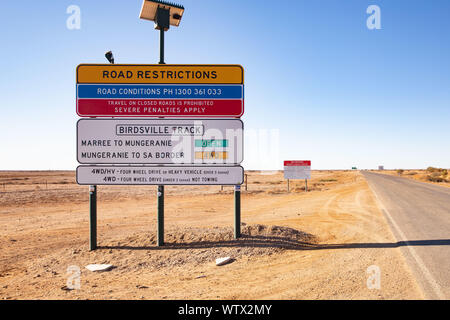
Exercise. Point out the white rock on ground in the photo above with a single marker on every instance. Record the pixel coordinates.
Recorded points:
(222, 261)
(99, 267)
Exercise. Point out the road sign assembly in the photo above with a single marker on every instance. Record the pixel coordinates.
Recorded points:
(190, 148)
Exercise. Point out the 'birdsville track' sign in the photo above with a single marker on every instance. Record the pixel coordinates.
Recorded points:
(158, 141)
(160, 90)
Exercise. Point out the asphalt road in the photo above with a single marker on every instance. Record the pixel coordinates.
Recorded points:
(419, 216)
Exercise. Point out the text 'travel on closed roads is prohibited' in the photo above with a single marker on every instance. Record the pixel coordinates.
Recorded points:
(159, 141)
(160, 90)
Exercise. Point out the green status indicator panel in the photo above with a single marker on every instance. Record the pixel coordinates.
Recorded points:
(211, 143)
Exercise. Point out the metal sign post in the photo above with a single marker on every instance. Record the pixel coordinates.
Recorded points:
(93, 194)
(160, 215)
(93, 217)
(162, 23)
(237, 211)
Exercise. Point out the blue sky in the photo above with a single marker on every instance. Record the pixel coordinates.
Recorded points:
(338, 93)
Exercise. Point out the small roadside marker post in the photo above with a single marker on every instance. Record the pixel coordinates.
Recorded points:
(237, 211)
(306, 185)
(93, 217)
(288, 184)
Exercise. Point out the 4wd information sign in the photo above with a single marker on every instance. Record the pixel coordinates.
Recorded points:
(114, 90)
(162, 141)
(160, 175)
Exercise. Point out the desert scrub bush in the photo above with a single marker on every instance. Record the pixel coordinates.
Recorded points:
(444, 172)
(436, 177)
(400, 172)
(327, 180)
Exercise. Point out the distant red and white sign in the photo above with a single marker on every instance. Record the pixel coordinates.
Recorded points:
(297, 169)
(298, 163)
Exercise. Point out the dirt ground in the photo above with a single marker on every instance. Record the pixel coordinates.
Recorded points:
(297, 245)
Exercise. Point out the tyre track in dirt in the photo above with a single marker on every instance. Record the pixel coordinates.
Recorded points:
(345, 209)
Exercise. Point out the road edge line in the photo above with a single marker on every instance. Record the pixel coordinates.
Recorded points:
(432, 282)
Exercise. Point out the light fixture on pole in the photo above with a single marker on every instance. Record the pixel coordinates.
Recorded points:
(110, 57)
(153, 9)
(164, 14)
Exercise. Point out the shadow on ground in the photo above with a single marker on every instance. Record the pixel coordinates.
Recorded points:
(254, 236)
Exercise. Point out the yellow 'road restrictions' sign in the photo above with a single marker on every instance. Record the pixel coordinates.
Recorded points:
(160, 73)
